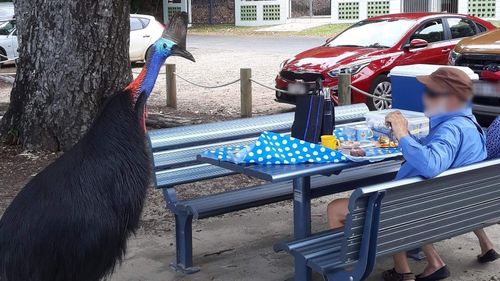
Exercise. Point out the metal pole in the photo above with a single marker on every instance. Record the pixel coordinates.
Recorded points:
(344, 88)
(210, 12)
(171, 86)
(246, 92)
(310, 8)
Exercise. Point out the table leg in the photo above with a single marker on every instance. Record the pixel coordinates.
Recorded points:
(302, 222)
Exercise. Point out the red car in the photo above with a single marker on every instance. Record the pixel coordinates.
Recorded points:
(369, 50)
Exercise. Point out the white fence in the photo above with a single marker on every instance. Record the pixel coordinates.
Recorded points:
(257, 13)
(355, 10)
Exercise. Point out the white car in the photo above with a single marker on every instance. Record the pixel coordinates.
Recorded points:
(8, 40)
(144, 31)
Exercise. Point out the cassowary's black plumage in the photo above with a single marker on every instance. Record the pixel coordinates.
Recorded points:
(71, 221)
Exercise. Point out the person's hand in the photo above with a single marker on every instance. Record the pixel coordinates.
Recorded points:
(398, 123)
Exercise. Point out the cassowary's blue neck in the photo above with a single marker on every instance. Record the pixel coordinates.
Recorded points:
(152, 69)
(145, 82)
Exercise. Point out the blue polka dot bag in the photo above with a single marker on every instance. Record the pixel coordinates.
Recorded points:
(276, 149)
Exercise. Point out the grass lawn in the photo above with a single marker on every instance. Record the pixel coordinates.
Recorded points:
(327, 30)
(495, 22)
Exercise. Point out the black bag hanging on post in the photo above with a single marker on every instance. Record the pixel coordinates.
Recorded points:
(328, 125)
(309, 116)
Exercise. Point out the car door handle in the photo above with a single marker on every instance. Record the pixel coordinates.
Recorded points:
(146, 36)
(445, 50)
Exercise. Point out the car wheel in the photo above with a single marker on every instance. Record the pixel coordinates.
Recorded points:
(381, 87)
(148, 53)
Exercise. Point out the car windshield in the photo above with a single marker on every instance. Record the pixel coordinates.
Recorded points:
(6, 27)
(373, 34)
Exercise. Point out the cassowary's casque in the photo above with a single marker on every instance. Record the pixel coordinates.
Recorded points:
(72, 220)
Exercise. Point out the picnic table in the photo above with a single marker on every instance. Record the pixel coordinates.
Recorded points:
(300, 174)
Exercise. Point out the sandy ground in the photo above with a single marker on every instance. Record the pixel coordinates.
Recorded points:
(236, 246)
(246, 239)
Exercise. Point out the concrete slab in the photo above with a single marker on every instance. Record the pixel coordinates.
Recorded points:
(239, 247)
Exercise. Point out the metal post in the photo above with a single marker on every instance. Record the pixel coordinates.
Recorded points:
(171, 86)
(246, 92)
(311, 8)
(210, 12)
(302, 222)
(344, 88)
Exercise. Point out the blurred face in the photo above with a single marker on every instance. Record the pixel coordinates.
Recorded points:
(437, 103)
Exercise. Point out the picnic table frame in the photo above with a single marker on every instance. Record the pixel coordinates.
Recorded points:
(300, 174)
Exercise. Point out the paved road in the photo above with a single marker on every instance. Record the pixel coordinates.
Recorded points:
(261, 44)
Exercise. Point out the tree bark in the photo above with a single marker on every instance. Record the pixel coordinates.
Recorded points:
(72, 55)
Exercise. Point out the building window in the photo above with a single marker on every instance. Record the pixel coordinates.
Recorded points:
(378, 8)
(348, 10)
(482, 8)
(249, 13)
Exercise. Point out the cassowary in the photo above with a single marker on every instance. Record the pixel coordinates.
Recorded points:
(72, 220)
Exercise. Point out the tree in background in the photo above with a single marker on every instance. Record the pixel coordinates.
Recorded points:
(71, 53)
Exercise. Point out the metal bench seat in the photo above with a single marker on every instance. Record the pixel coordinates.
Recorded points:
(388, 218)
(175, 162)
(230, 201)
(187, 136)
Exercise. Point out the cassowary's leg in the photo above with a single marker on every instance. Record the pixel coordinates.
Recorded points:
(184, 244)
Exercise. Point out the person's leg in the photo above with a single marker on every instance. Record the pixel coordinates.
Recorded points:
(401, 263)
(488, 254)
(434, 261)
(401, 270)
(337, 212)
(484, 241)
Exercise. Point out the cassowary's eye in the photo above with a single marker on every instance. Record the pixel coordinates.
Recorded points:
(165, 45)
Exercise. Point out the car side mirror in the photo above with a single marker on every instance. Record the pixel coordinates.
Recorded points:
(417, 43)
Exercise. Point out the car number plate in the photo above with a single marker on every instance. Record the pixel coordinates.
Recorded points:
(297, 88)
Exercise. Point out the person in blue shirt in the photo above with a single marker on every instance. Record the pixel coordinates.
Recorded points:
(493, 139)
(455, 139)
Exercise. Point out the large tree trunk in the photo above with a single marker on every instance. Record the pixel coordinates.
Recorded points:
(72, 54)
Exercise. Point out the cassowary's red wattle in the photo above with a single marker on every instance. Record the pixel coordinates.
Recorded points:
(72, 220)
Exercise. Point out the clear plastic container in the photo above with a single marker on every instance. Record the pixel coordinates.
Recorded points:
(418, 124)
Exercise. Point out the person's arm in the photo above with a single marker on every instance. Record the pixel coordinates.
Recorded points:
(437, 156)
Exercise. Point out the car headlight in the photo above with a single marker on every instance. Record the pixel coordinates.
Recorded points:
(351, 69)
(453, 57)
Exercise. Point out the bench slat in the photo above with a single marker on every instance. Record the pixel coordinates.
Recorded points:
(168, 178)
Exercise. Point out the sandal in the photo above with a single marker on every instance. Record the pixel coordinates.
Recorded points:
(393, 275)
(490, 256)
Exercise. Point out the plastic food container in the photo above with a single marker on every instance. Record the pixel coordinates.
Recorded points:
(418, 124)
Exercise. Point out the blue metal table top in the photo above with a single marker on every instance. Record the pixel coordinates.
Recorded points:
(279, 173)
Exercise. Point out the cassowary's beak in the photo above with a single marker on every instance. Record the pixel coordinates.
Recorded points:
(181, 52)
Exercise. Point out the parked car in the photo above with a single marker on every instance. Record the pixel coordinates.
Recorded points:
(370, 48)
(481, 53)
(8, 35)
(144, 31)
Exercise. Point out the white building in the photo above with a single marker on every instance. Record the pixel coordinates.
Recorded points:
(271, 12)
